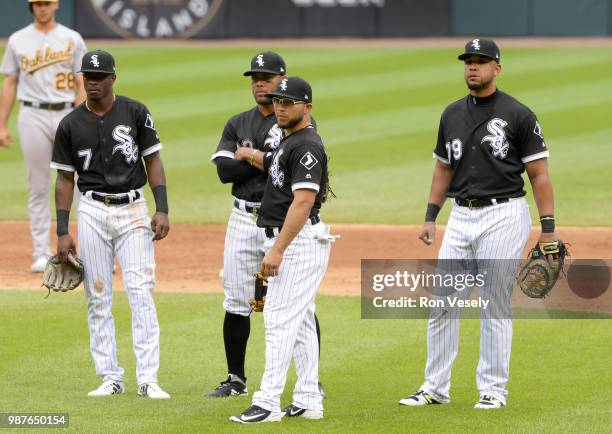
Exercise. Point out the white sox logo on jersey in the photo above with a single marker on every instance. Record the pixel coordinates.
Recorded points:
(497, 139)
(277, 175)
(126, 145)
(308, 161)
(260, 60)
(94, 61)
(275, 135)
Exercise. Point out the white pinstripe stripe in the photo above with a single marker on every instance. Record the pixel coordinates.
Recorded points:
(124, 231)
(495, 232)
(290, 324)
(242, 256)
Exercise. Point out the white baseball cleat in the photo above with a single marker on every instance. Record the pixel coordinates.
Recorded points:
(419, 398)
(108, 388)
(152, 390)
(488, 402)
(39, 264)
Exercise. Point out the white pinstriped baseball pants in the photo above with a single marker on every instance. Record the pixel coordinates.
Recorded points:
(494, 232)
(290, 324)
(242, 256)
(123, 231)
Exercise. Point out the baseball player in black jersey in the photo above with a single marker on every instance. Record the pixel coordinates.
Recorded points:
(105, 140)
(257, 132)
(297, 250)
(486, 140)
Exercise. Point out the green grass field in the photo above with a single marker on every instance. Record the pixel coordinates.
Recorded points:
(560, 378)
(378, 110)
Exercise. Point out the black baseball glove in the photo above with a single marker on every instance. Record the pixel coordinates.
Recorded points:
(261, 289)
(541, 271)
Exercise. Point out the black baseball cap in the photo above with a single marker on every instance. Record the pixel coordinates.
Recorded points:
(481, 47)
(295, 88)
(98, 61)
(267, 62)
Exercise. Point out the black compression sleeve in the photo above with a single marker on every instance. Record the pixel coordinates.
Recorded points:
(230, 170)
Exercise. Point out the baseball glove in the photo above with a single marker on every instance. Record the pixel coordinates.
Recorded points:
(261, 289)
(63, 276)
(541, 271)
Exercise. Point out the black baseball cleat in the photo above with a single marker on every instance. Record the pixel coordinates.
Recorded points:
(233, 386)
(256, 414)
(295, 411)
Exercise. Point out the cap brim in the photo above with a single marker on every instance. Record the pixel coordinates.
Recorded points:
(284, 95)
(477, 53)
(96, 71)
(262, 71)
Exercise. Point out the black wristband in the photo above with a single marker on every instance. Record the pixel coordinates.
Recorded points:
(548, 224)
(161, 198)
(432, 212)
(63, 216)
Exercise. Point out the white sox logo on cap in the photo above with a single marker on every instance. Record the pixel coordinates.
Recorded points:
(476, 44)
(94, 61)
(260, 60)
(283, 85)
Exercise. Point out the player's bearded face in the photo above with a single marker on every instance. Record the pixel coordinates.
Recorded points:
(479, 72)
(288, 116)
(264, 83)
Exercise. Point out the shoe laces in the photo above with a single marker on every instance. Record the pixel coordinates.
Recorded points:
(252, 410)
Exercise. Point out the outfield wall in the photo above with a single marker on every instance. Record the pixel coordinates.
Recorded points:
(206, 19)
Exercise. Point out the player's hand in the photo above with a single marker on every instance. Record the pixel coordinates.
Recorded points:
(65, 243)
(243, 153)
(271, 262)
(160, 225)
(5, 138)
(547, 237)
(428, 233)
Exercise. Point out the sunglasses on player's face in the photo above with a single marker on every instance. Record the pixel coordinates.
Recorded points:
(286, 101)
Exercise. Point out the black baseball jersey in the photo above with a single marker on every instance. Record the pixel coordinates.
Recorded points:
(106, 151)
(300, 162)
(487, 142)
(254, 130)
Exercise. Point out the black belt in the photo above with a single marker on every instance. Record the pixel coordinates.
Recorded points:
(271, 229)
(114, 199)
(479, 203)
(249, 209)
(48, 105)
